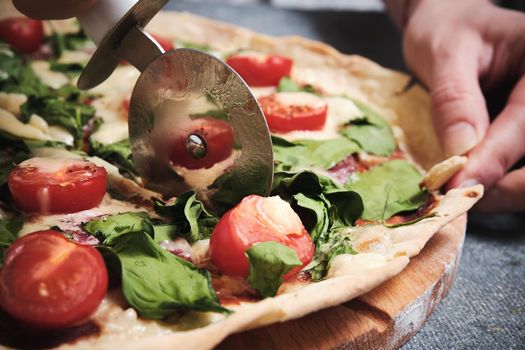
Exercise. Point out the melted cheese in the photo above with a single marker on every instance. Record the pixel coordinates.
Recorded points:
(51, 164)
(11, 124)
(11, 102)
(200, 179)
(280, 215)
(110, 132)
(51, 78)
(259, 92)
(38, 122)
(346, 264)
(72, 221)
(61, 134)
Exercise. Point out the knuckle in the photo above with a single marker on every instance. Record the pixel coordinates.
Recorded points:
(448, 91)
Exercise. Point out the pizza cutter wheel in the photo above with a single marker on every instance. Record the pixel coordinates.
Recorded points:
(193, 122)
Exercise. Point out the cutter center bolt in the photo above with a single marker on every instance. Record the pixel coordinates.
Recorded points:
(196, 146)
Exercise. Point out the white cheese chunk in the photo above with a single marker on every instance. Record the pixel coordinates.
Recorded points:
(111, 132)
(61, 134)
(11, 102)
(280, 215)
(50, 78)
(50, 164)
(11, 124)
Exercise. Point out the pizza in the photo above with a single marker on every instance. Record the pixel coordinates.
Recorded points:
(91, 258)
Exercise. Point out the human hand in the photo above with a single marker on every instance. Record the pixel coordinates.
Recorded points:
(458, 48)
(53, 9)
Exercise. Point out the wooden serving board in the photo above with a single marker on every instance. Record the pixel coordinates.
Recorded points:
(384, 318)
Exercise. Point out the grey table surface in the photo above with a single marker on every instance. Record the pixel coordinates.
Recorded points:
(485, 308)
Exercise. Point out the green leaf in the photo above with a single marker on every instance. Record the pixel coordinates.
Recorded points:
(68, 41)
(71, 115)
(311, 153)
(314, 213)
(157, 283)
(190, 216)
(335, 243)
(286, 84)
(389, 188)
(372, 133)
(68, 68)
(17, 77)
(117, 153)
(110, 228)
(269, 262)
(372, 139)
(9, 229)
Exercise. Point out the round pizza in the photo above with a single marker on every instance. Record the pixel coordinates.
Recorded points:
(92, 258)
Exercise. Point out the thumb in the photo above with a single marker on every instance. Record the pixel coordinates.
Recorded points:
(459, 109)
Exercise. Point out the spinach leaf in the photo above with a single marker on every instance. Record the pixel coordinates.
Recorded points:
(68, 41)
(314, 213)
(71, 115)
(17, 77)
(371, 132)
(9, 229)
(189, 215)
(311, 153)
(68, 68)
(286, 84)
(334, 243)
(157, 283)
(389, 188)
(109, 228)
(117, 153)
(269, 262)
(325, 209)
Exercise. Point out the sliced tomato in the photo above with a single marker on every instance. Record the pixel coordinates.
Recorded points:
(57, 185)
(23, 33)
(259, 69)
(258, 219)
(290, 111)
(49, 282)
(217, 135)
(166, 43)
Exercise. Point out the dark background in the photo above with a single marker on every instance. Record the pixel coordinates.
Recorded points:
(485, 308)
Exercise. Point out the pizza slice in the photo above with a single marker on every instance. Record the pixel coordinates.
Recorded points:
(91, 256)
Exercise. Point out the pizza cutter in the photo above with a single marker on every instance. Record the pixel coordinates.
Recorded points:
(193, 122)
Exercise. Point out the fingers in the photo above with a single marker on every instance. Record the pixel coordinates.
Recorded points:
(460, 113)
(502, 147)
(53, 9)
(508, 195)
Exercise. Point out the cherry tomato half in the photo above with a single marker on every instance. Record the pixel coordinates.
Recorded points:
(289, 111)
(260, 70)
(218, 136)
(166, 44)
(25, 34)
(49, 282)
(57, 185)
(258, 219)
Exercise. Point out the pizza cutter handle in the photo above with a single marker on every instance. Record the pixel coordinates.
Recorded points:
(116, 27)
(100, 19)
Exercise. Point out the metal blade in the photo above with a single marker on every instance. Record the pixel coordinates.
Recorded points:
(182, 98)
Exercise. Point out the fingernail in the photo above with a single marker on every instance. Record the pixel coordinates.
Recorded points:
(469, 183)
(459, 139)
